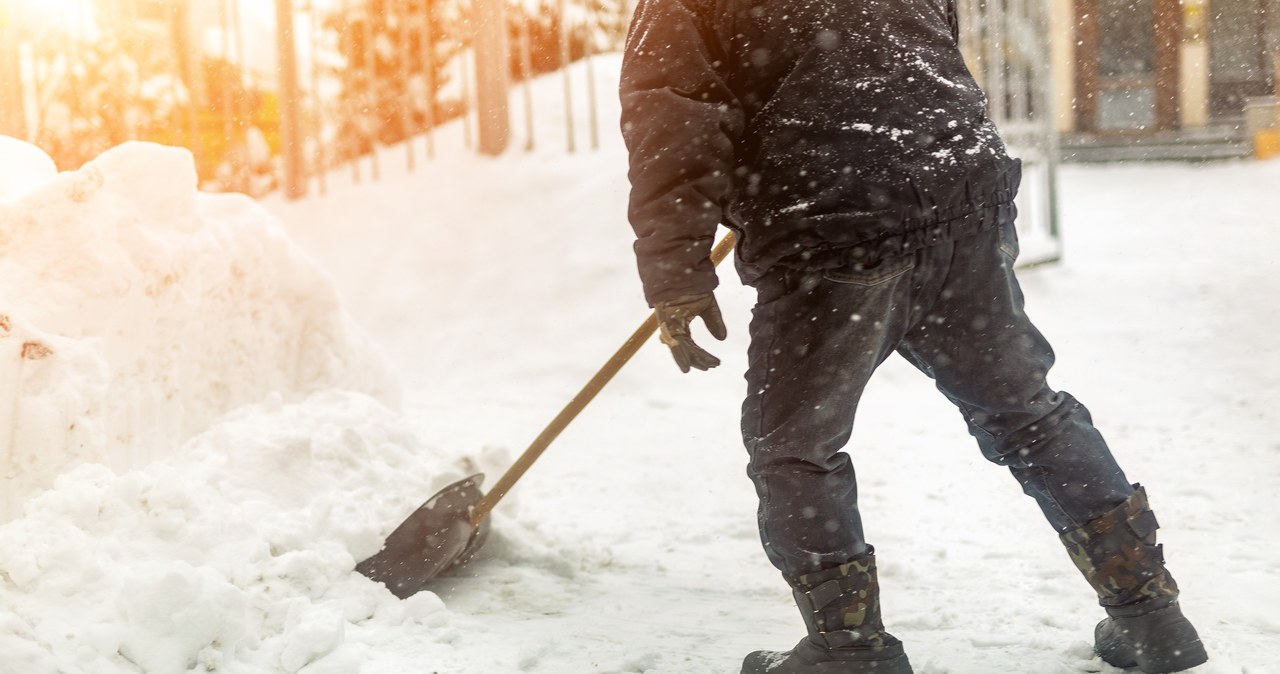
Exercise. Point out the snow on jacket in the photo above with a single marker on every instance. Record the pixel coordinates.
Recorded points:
(822, 131)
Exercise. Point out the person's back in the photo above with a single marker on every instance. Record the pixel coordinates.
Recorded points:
(833, 130)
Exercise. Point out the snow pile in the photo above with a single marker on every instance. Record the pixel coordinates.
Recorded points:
(135, 311)
(220, 437)
(234, 554)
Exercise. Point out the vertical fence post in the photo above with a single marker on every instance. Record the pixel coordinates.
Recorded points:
(492, 115)
(241, 104)
(351, 154)
(132, 84)
(466, 92)
(404, 64)
(564, 69)
(371, 77)
(1049, 129)
(291, 146)
(593, 116)
(997, 87)
(429, 72)
(526, 69)
(224, 99)
(317, 102)
(188, 60)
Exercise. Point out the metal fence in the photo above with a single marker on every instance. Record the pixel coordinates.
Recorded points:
(286, 95)
(230, 81)
(1006, 43)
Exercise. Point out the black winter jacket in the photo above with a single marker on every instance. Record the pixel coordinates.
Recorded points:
(822, 131)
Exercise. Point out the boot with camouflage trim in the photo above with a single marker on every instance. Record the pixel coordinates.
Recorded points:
(841, 609)
(1144, 628)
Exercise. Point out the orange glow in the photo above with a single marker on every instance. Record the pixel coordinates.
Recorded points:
(62, 12)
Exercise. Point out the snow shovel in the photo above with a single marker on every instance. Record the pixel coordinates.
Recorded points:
(450, 527)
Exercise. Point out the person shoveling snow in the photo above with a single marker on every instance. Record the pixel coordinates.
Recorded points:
(873, 197)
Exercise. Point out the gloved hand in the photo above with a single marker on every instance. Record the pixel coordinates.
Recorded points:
(674, 318)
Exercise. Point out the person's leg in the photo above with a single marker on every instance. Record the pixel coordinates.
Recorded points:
(814, 344)
(1118, 555)
(976, 342)
(815, 340)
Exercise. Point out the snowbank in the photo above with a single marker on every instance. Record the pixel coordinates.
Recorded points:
(235, 554)
(221, 439)
(135, 311)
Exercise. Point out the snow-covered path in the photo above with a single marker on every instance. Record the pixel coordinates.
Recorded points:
(498, 286)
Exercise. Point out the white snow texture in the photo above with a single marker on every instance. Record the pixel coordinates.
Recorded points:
(135, 311)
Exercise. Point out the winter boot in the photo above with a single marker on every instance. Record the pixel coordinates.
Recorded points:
(841, 609)
(1144, 628)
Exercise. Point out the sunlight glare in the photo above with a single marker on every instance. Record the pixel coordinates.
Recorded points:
(64, 12)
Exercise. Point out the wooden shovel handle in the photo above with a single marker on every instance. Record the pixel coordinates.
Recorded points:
(580, 401)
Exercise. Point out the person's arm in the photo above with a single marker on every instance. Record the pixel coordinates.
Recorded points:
(680, 122)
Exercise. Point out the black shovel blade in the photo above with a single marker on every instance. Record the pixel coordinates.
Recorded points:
(437, 536)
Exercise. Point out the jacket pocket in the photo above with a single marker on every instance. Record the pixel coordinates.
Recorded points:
(872, 273)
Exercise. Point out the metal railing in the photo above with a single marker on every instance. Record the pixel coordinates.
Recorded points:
(368, 74)
(1006, 43)
(214, 77)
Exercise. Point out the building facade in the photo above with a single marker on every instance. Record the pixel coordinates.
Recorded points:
(1149, 67)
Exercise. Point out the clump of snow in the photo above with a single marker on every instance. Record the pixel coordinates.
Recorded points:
(23, 167)
(135, 311)
(234, 554)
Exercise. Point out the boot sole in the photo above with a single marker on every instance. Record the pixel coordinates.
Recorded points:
(1125, 657)
(767, 662)
(1173, 647)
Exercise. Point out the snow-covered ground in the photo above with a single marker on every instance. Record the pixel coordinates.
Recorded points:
(496, 287)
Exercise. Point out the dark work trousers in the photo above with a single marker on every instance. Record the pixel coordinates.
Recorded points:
(955, 311)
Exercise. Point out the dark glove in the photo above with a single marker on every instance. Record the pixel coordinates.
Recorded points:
(674, 318)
